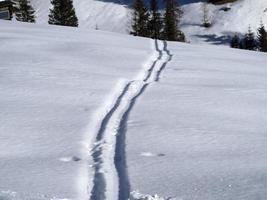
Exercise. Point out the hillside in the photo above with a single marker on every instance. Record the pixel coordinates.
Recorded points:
(114, 15)
(96, 115)
(242, 14)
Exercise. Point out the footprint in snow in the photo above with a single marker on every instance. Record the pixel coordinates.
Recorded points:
(69, 159)
(149, 154)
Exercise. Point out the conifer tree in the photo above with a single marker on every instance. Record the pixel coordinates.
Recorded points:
(206, 20)
(24, 11)
(262, 38)
(249, 41)
(140, 19)
(63, 13)
(235, 42)
(155, 23)
(172, 17)
(241, 44)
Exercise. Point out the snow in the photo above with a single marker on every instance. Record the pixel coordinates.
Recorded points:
(89, 114)
(92, 14)
(242, 14)
(52, 81)
(200, 133)
(137, 196)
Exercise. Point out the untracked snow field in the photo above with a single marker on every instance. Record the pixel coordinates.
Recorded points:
(104, 116)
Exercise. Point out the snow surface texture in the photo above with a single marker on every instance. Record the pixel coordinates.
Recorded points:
(100, 116)
(111, 177)
(201, 132)
(114, 15)
(53, 79)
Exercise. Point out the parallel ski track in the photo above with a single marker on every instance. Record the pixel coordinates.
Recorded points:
(130, 96)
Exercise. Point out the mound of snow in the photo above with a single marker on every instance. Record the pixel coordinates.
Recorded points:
(135, 195)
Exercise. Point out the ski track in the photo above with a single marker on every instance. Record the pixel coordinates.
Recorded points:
(111, 181)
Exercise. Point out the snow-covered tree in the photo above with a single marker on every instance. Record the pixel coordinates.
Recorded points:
(63, 13)
(24, 11)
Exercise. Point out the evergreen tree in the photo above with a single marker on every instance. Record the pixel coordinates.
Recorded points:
(172, 17)
(63, 13)
(206, 20)
(140, 19)
(241, 44)
(155, 23)
(235, 42)
(262, 38)
(249, 41)
(24, 11)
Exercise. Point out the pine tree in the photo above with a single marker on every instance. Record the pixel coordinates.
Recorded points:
(172, 17)
(206, 20)
(262, 38)
(140, 19)
(155, 23)
(63, 13)
(235, 42)
(24, 11)
(249, 40)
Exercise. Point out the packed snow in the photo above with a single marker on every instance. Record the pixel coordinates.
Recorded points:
(89, 114)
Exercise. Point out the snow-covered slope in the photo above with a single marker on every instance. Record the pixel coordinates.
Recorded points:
(98, 115)
(242, 14)
(114, 16)
(202, 131)
(52, 82)
(92, 14)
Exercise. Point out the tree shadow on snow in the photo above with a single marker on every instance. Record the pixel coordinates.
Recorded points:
(160, 2)
(215, 39)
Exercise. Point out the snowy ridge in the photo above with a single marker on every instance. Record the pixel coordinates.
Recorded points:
(111, 177)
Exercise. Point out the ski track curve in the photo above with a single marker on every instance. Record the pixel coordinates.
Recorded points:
(111, 181)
